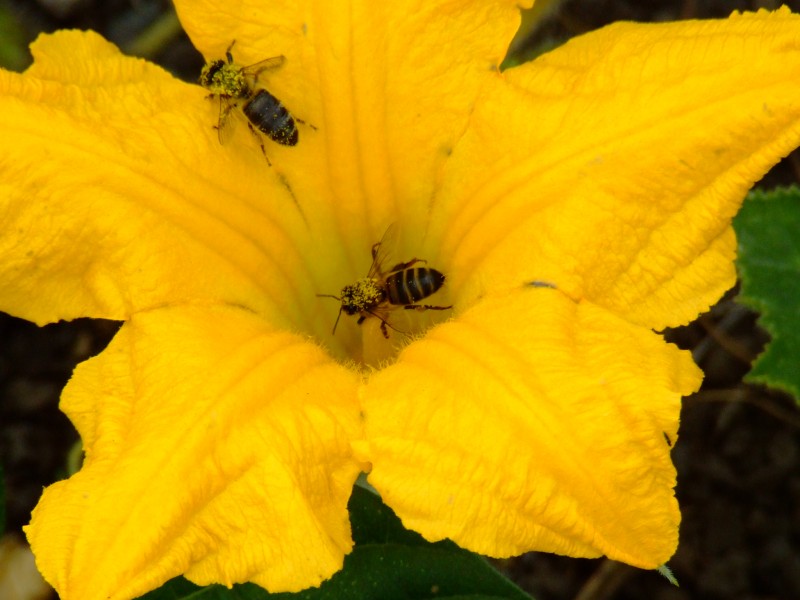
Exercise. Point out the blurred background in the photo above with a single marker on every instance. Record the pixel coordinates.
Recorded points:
(738, 456)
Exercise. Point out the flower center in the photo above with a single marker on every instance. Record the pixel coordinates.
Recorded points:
(394, 303)
(387, 318)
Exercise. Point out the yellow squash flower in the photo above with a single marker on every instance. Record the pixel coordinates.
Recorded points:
(575, 205)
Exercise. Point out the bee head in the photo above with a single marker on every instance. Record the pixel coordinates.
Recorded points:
(210, 70)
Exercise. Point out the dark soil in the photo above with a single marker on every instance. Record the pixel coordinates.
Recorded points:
(738, 456)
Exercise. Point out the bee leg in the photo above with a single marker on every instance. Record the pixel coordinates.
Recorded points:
(361, 319)
(260, 142)
(314, 127)
(384, 330)
(405, 265)
(422, 307)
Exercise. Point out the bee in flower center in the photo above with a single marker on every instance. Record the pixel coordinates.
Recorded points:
(380, 292)
(236, 87)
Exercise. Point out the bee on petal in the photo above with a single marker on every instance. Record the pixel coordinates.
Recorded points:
(385, 290)
(236, 88)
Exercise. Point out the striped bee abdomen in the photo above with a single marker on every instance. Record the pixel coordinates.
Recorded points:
(412, 285)
(267, 113)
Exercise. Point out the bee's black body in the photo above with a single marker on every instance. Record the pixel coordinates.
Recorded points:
(407, 286)
(381, 291)
(271, 118)
(236, 87)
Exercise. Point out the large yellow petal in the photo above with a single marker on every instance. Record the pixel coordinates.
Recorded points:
(117, 196)
(389, 86)
(216, 447)
(534, 423)
(612, 166)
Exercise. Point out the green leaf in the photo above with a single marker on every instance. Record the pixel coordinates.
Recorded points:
(373, 522)
(180, 589)
(768, 228)
(13, 47)
(388, 563)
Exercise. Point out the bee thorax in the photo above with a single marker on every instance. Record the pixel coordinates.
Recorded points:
(364, 294)
(226, 80)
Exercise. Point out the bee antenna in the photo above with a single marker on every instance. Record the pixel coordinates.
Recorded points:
(337, 321)
(340, 309)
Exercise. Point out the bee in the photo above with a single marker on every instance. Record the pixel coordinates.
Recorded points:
(235, 86)
(382, 291)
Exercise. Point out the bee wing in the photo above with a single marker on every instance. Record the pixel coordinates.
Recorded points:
(382, 251)
(224, 124)
(259, 67)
